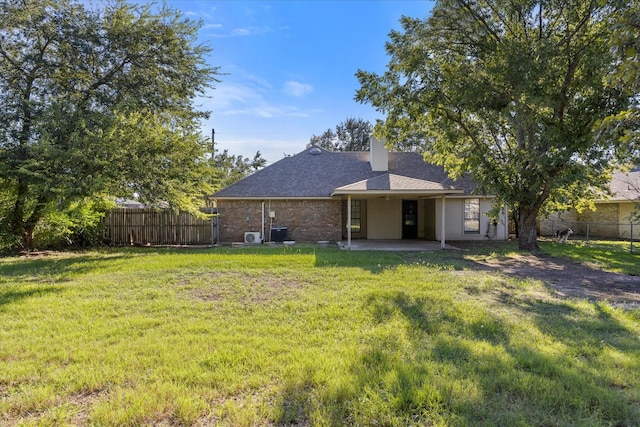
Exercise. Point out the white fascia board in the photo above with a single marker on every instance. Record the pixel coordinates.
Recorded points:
(397, 193)
(271, 198)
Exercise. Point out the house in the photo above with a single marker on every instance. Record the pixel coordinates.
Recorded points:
(315, 194)
(611, 217)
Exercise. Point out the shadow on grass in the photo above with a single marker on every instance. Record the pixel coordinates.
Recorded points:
(378, 261)
(474, 369)
(12, 296)
(613, 256)
(295, 401)
(37, 269)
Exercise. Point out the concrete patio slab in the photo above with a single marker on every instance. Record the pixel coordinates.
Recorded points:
(394, 245)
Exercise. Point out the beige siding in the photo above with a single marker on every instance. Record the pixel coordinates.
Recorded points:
(384, 219)
(454, 221)
(626, 208)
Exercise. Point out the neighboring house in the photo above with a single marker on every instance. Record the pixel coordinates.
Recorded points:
(134, 204)
(611, 218)
(383, 195)
(130, 204)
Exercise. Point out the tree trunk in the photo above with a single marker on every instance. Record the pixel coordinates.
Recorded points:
(527, 235)
(514, 216)
(17, 216)
(26, 240)
(21, 227)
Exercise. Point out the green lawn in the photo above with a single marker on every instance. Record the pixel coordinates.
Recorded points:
(608, 255)
(305, 336)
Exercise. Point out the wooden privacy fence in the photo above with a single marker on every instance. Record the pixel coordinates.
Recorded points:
(150, 226)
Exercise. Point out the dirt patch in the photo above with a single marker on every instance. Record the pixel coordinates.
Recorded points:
(245, 287)
(569, 279)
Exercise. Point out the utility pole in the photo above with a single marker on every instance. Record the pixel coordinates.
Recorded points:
(212, 161)
(214, 217)
(213, 144)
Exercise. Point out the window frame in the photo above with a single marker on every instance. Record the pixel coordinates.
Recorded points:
(471, 216)
(356, 215)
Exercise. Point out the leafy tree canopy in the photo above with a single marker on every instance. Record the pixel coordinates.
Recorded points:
(97, 102)
(351, 135)
(537, 100)
(230, 168)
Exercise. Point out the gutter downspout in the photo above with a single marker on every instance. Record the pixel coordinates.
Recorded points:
(442, 225)
(262, 223)
(349, 221)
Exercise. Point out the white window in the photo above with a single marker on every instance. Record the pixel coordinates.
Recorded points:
(472, 216)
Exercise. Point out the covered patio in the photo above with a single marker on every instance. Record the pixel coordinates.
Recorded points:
(396, 245)
(394, 187)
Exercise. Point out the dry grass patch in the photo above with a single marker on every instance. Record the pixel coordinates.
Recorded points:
(248, 287)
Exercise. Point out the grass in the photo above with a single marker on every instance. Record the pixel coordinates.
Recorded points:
(305, 336)
(610, 255)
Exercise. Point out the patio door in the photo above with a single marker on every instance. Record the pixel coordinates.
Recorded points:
(409, 219)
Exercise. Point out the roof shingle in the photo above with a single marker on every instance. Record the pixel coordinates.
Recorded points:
(308, 175)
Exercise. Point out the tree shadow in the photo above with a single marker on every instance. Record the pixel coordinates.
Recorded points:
(377, 262)
(12, 296)
(38, 269)
(472, 370)
(295, 402)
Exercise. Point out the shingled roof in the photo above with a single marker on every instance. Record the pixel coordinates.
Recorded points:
(395, 183)
(625, 186)
(318, 173)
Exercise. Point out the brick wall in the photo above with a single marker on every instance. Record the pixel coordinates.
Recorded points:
(605, 219)
(605, 212)
(306, 220)
(556, 221)
(603, 222)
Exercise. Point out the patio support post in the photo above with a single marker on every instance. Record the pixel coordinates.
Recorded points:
(442, 227)
(506, 222)
(349, 221)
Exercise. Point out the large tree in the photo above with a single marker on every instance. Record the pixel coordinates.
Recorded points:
(97, 102)
(231, 168)
(536, 100)
(351, 135)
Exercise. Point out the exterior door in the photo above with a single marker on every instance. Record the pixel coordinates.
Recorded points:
(409, 219)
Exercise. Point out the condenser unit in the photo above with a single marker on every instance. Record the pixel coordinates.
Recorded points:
(252, 237)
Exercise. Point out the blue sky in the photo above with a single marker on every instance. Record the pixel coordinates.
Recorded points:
(290, 66)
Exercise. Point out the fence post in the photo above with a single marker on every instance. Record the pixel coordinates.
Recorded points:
(587, 234)
(213, 231)
(631, 237)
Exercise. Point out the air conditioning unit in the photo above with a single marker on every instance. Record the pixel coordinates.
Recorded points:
(252, 237)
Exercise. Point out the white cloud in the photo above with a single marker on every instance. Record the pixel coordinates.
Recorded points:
(237, 32)
(297, 89)
(271, 149)
(249, 99)
(211, 26)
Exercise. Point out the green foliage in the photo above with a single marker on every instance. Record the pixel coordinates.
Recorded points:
(230, 168)
(351, 135)
(309, 336)
(98, 102)
(79, 224)
(530, 98)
